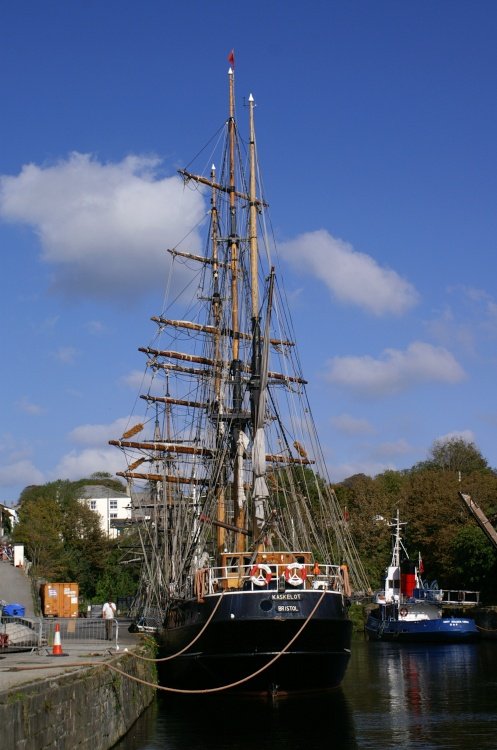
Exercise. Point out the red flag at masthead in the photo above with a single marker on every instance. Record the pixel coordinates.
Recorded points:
(231, 58)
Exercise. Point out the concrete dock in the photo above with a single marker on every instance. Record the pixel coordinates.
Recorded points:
(21, 667)
(88, 697)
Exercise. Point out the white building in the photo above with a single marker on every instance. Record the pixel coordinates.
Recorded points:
(114, 508)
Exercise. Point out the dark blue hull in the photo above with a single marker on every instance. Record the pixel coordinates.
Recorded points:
(246, 638)
(440, 630)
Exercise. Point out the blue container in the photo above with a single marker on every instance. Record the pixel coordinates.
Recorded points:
(14, 610)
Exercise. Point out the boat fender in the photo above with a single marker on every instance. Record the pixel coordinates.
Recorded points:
(261, 575)
(403, 612)
(316, 569)
(295, 574)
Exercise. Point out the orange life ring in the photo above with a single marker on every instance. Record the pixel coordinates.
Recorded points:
(261, 574)
(292, 577)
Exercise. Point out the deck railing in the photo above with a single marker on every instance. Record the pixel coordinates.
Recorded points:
(460, 597)
(271, 576)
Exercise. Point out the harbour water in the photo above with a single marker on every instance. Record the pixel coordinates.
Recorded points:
(393, 697)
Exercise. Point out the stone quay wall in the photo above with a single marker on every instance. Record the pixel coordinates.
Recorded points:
(90, 708)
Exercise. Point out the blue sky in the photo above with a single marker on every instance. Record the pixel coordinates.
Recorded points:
(377, 131)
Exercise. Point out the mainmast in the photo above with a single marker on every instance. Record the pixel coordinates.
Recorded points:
(216, 314)
(239, 438)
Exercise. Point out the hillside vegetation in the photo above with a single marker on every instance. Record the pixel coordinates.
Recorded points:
(455, 551)
(64, 541)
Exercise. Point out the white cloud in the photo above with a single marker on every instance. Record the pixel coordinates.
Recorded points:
(349, 425)
(396, 370)
(75, 465)
(99, 434)
(21, 473)
(448, 331)
(391, 449)
(66, 354)
(467, 435)
(137, 379)
(29, 407)
(95, 327)
(49, 324)
(104, 227)
(352, 277)
(468, 324)
(98, 455)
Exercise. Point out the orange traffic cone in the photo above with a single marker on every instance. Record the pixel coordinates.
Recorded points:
(57, 646)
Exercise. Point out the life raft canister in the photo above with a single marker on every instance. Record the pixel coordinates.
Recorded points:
(295, 574)
(261, 575)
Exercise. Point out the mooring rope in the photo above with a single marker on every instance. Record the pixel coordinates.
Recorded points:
(487, 630)
(164, 688)
(178, 653)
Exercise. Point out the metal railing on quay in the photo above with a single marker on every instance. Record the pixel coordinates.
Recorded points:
(35, 633)
(73, 629)
(20, 634)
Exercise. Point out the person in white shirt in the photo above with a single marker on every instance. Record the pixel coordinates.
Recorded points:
(108, 613)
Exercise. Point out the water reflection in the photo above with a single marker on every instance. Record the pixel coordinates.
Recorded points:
(405, 697)
(424, 696)
(235, 723)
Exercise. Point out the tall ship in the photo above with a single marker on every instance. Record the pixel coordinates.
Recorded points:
(248, 563)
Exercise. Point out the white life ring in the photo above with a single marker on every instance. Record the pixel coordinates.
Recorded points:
(295, 574)
(403, 612)
(261, 575)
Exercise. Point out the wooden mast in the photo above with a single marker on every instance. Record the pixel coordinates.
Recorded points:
(216, 314)
(254, 284)
(233, 237)
(254, 250)
(234, 243)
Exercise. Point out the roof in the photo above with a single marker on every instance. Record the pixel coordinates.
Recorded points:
(88, 491)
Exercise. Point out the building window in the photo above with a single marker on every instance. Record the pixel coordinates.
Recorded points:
(113, 515)
(113, 504)
(93, 504)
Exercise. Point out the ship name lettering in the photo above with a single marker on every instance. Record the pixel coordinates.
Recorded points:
(286, 597)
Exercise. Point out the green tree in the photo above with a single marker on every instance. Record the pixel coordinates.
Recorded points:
(474, 560)
(455, 454)
(87, 548)
(371, 503)
(64, 540)
(38, 528)
(119, 578)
